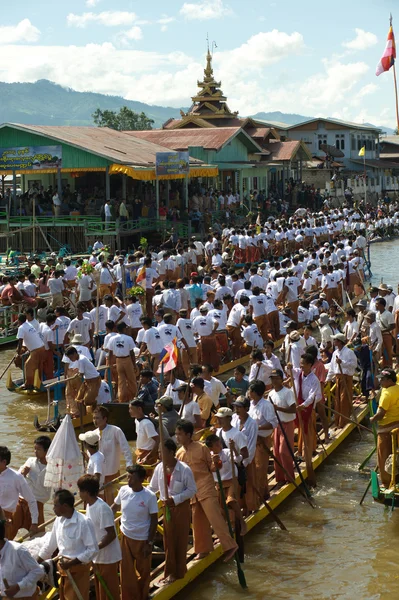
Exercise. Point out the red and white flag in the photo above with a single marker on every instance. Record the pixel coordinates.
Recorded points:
(388, 58)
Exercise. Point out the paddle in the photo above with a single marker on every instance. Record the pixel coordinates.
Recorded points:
(271, 511)
(161, 444)
(351, 420)
(240, 572)
(292, 480)
(8, 366)
(370, 454)
(291, 451)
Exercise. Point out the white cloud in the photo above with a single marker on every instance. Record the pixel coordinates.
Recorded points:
(108, 18)
(362, 40)
(135, 33)
(92, 3)
(207, 9)
(24, 31)
(164, 21)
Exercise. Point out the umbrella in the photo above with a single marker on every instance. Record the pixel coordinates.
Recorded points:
(64, 459)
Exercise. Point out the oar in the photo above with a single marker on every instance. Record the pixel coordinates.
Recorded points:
(74, 585)
(291, 451)
(292, 480)
(8, 366)
(103, 584)
(161, 443)
(271, 511)
(351, 420)
(370, 454)
(240, 572)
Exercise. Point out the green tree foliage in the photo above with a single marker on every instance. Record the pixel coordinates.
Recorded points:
(124, 120)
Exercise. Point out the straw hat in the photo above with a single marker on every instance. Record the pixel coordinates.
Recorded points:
(77, 339)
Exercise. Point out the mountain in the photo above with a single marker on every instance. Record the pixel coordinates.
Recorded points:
(293, 119)
(47, 103)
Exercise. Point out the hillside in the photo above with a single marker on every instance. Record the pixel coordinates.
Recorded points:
(47, 103)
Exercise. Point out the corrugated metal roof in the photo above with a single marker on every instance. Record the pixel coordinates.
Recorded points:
(390, 139)
(349, 124)
(283, 150)
(116, 146)
(181, 139)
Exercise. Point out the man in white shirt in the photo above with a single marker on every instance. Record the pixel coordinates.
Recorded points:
(113, 444)
(342, 367)
(34, 471)
(139, 522)
(12, 486)
(234, 322)
(56, 286)
(90, 386)
(147, 437)
(152, 343)
(122, 347)
(180, 489)
(204, 326)
(81, 325)
(19, 570)
(106, 562)
(74, 536)
(262, 412)
(386, 320)
(213, 387)
(29, 338)
(246, 424)
(149, 277)
(185, 326)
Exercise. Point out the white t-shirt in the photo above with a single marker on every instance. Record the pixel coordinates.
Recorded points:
(153, 340)
(121, 345)
(104, 395)
(186, 329)
(30, 337)
(84, 291)
(96, 464)
(284, 399)
(102, 317)
(35, 479)
(258, 304)
(134, 312)
(86, 368)
(62, 324)
(145, 433)
(102, 517)
(190, 410)
(81, 326)
(70, 273)
(137, 508)
(56, 285)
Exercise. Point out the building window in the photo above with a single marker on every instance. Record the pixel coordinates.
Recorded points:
(353, 142)
(322, 139)
(342, 143)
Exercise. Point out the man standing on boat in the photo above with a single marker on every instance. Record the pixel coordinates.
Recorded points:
(342, 368)
(176, 494)
(29, 338)
(283, 401)
(74, 536)
(386, 321)
(113, 444)
(106, 562)
(387, 417)
(91, 383)
(139, 522)
(122, 347)
(205, 505)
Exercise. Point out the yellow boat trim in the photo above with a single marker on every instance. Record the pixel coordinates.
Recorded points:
(195, 568)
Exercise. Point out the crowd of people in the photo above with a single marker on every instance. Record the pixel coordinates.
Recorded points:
(272, 292)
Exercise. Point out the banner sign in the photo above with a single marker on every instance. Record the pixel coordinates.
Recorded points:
(172, 163)
(30, 158)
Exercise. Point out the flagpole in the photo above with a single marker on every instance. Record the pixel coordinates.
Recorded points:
(364, 177)
(395, 84)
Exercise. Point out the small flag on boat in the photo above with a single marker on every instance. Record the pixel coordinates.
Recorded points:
(388, 58)
(362, 151)
(168, 357)
(141, 275)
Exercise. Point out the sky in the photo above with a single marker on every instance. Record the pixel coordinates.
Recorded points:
(315, 59)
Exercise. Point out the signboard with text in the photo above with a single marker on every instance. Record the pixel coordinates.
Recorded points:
(30, 158)
(172, 163)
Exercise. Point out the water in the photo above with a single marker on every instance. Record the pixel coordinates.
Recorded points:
(339, 551)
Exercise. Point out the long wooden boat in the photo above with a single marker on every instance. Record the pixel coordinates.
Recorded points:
(277, 496)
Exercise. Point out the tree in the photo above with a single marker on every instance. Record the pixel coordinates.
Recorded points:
(124, 120)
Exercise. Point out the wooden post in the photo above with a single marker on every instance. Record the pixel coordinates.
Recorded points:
(157, 197)
(14, 191)
(107, 185)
